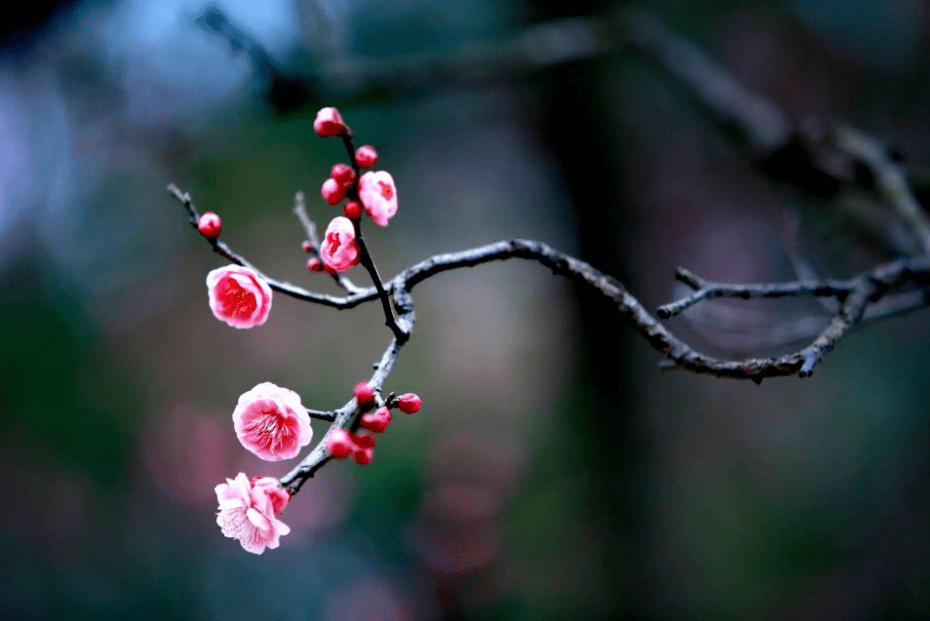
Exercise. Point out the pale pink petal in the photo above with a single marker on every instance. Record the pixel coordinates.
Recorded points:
(226, 491)
(278, 496)
(280, 527)
(253, 546)
(231, 503)
(242, 484)
(259, 520)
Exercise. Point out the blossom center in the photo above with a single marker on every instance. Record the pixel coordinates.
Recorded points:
(386, 190)
(235, 299)
(268, 430)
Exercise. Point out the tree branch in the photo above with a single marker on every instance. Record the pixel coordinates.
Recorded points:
(816, 160)
(707, 290)
(350, 301)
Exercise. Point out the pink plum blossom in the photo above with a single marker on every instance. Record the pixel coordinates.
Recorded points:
(247, 511)
(271, 422)
(339, 250)
(238, 296)
(379, 195)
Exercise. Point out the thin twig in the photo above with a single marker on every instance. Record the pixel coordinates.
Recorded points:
(320, 415)
(707, 290)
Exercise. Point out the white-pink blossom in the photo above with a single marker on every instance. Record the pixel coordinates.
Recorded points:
(238, 296)
(339, 250)
(329, 122)
(378, 193)
(247, 511)
(271, 422)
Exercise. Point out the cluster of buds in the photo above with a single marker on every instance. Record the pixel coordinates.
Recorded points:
(342, 444)
(373, 193)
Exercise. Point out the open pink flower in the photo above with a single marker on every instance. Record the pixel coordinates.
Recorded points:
(247, 511)
(339, 250)
(238, 296)
(271, 422)
(379, 195)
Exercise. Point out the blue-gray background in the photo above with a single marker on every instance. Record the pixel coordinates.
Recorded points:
(553, 472)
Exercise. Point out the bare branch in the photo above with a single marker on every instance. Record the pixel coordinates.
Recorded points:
(816, 160)
(707, 290)
(350, 301)
(890, 180)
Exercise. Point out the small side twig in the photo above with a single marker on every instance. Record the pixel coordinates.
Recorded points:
(890, 180)
(300, 210)
(706, 290)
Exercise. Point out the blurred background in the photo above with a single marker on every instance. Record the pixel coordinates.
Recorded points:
(553, 471)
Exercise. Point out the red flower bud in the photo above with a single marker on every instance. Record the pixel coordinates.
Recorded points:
(328, 122)
(353, 210)
(409, 403)
(363, 456)
(377, 421)
(340, 443)
(366, 156)
(364, 440)
(364, 394)
(333, 192)
(343, 174)
(209, 225)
